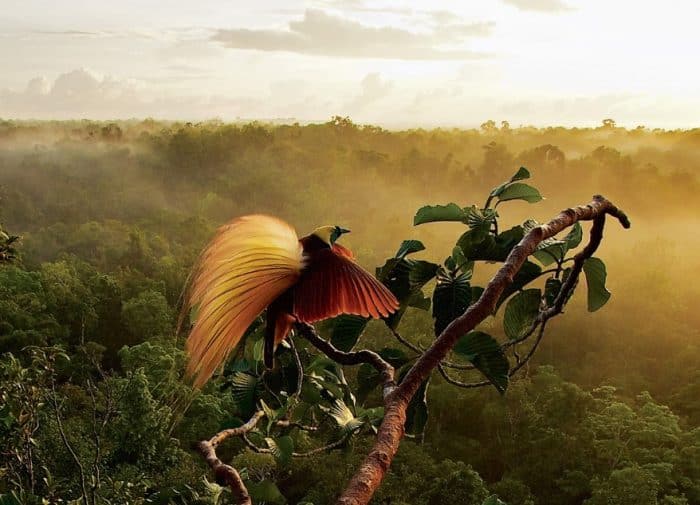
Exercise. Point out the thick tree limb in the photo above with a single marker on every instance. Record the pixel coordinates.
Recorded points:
(370, 474)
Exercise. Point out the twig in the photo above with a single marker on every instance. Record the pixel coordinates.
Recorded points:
(66, 443)
(385, 370)
(311, 452)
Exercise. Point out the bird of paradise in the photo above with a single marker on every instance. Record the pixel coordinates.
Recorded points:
(258, 262)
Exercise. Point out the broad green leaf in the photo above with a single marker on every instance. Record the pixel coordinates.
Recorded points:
(409, 247)
(486, 355)
(498, 189)
(522, 174)
(480, 219)
(521, 312)
(550, 254)
(245, 389)
(347, 330)
(420, 273)
(265, 491)
(490, 248)
(405, 278)
(520, 191)
(461, 262)
(451, 298)
(527, 273)
(281, 448)
(419, 301)
(574, 237)
(433, 213)
(598, 295)
(417, 411)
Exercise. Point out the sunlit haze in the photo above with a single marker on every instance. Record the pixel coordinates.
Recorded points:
(393, 63)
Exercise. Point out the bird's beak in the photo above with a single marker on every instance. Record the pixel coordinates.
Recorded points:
(343, 230)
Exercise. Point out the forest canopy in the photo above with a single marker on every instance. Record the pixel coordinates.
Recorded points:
(112, 216)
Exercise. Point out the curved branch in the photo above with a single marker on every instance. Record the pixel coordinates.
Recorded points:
(311, 452)
(521, 363)
(370, 474)
(419, 350)
(386, 371)
(226, 475)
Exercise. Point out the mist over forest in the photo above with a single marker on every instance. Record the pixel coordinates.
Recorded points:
(112, 216)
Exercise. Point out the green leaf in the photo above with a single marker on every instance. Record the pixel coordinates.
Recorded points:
(550, 254)
(486, 355)
(409, 247)
(598, 295)
(488, 248)
(265, 491)
(521, 312)
(451, 298)
(461, 260)
(420, 273)
(270, 413)
(419, 301)
(522, 174)
(347, 330)
(430, 214)
(258, 349)
(520, 191)
(498, 190)
(417, 411)
(480, 219)
(245, 389)
(405, 278)
(574, 237)
(9, 499)
(527, 273)
(551, 289)
(281, 448)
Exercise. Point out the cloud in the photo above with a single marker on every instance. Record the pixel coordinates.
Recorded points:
(82, 93)
(539, 5)
(374, 88)
(319, 33)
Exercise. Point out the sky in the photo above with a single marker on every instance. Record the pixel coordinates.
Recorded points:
(395, 63)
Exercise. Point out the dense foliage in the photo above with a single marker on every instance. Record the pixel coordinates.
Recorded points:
(113, 215)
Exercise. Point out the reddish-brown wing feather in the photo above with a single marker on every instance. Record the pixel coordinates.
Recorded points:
(333, 284)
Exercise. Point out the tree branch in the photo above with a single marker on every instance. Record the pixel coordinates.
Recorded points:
(385, 370)
(226, 474)
(370, 474)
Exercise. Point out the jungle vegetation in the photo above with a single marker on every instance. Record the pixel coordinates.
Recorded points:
(113, 215)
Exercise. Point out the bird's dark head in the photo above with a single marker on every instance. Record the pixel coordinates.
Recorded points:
(329, 234)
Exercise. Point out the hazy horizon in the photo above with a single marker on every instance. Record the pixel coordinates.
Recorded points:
(392, 63)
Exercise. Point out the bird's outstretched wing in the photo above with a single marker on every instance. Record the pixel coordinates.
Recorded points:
(247, 265)
(333, 284)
